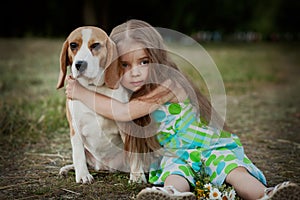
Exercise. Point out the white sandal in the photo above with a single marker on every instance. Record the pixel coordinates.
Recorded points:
(167, 192)
(285, 190)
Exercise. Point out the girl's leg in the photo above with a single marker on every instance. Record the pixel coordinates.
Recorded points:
(246, 185)
(179, 182)
(175, 187)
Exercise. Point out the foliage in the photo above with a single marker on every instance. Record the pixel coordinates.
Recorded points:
(204, 190)
(215, 15)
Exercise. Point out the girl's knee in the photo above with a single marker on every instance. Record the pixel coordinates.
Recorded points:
(239, 169)
(179, 182)
(236, 173)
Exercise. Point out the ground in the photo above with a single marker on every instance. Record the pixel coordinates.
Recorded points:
(266, 118)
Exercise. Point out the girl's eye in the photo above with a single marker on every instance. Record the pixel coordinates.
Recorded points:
(124, 65)
(145, 62)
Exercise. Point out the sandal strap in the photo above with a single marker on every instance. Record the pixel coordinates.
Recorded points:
(280, 185)
(170, 190)
(158, 188)
(277, 187)
(167, 189)
(268, 192)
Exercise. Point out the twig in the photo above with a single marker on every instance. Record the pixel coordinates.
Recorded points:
(70, 191)
(45, 155)
(30, 197)
(17, 184)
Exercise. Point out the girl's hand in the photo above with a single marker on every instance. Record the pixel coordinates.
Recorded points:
(168, 91)
(73, 88)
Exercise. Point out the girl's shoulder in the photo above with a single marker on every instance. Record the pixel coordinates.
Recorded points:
(184, 103)
(176, 108)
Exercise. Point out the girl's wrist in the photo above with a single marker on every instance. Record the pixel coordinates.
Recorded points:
(80, 92)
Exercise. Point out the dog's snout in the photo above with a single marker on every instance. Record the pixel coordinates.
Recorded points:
(81, 65)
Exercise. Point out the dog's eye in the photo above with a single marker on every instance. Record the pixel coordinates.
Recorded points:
(95, 46)
(73, 45)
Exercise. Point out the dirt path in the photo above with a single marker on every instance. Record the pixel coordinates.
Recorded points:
(267, 120)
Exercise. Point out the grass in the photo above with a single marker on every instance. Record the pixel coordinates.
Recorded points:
(29, 102)
(34, 130)
(243, 66)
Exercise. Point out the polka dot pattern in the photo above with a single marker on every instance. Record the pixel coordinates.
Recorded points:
(174, 109)
(190, 141)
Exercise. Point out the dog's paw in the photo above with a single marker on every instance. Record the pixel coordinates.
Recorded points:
(84, 178)
(137, 178)
(65, 169)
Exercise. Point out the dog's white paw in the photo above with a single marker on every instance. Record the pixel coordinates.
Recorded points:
(81, 177)
(65, 169)
(137, 178)
(85, 178)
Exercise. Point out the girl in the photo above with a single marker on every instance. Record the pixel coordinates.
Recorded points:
(187, 139)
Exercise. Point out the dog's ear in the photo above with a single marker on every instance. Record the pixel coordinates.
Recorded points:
(112, 71)
(64, 62)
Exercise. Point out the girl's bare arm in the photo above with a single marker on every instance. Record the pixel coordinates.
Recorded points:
(114, 109)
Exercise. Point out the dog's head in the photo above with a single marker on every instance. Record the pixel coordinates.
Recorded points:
(92, 55)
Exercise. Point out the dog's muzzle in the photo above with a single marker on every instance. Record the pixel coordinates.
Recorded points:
(81, 65)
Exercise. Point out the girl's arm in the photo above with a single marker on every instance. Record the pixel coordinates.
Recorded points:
(114, 109)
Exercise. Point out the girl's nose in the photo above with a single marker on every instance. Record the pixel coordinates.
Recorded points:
(135, 71)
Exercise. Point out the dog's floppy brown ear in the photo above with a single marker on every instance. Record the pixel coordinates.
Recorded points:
(64, 62)
(112, 71)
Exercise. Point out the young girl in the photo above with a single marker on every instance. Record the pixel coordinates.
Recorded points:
(187, 139)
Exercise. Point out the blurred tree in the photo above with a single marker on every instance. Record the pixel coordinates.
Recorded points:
(263, 17)
(57, 18)
(287, 17)
(89, 13)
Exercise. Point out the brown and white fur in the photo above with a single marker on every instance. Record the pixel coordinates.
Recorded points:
(96, 140)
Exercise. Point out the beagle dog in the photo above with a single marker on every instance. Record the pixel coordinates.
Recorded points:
(96, 141)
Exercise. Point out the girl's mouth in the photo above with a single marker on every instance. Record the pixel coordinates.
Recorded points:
(137, 83)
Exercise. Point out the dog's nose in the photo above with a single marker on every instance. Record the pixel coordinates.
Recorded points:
(81, 65)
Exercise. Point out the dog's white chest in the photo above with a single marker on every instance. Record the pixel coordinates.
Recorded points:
(91, 126)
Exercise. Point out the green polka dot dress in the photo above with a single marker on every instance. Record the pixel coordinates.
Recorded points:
(187, 142)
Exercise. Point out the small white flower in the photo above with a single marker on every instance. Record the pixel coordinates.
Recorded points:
(229, 195)
(232, 194)
(226, 194)
(215, 194)
(208, 186)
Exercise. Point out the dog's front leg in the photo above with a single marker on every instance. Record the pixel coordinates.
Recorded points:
(78, 152)
(79, 161)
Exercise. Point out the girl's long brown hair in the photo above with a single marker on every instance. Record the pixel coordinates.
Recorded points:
(161, 69)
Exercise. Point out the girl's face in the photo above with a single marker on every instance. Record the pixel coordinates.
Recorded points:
(136, 69)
